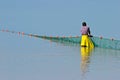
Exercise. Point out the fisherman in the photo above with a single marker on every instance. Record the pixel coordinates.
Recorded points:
(85, 32)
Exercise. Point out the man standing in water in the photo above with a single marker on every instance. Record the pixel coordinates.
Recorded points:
(85, 32)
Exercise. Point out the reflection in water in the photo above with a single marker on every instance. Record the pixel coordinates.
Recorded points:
(85, 60)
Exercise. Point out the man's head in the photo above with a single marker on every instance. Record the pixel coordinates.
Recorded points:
(84, 24)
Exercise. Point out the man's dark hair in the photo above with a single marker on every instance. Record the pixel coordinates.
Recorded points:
(84, 24)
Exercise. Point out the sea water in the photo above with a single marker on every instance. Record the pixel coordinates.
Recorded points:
(38, 59)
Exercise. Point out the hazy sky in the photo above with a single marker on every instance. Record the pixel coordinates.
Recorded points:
(61, 17)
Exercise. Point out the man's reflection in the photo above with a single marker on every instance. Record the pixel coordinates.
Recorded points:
(85, 59)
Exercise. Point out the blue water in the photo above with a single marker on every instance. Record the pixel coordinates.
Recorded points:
(37, 59)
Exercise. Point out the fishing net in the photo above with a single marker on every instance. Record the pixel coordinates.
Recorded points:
(98, 42)
(106, 43)
(64, 40)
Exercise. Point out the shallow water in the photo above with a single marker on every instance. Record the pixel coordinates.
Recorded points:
(45, 60)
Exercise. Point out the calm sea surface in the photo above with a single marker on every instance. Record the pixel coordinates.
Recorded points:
(37, 59)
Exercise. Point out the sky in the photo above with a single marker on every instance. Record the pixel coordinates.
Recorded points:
(61, 17)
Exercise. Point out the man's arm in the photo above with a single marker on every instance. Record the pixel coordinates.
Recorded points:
(89, 31)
